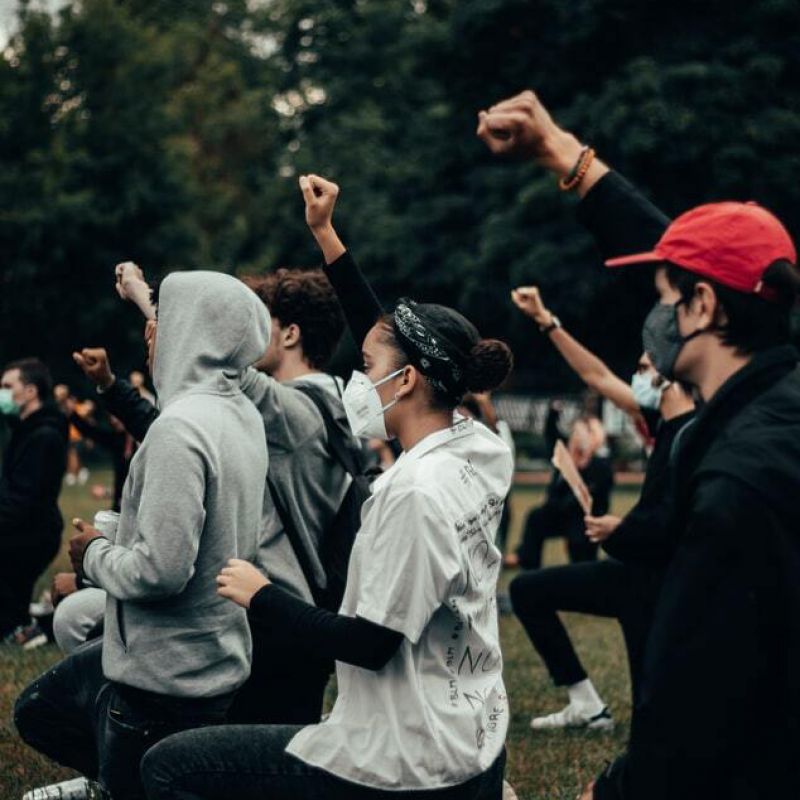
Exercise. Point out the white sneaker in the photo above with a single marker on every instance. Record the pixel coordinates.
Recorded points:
(508, 792)
(76, 789)
(574, 717)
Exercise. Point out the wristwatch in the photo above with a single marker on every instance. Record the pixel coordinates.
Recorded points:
(555, 322)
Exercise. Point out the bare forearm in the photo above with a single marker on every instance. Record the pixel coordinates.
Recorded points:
(138, 292)
(594, 372)
(329, 242)
(587, 365)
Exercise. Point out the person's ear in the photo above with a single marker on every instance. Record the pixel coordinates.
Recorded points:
(707, 306)
(408, 381)
(290, 336)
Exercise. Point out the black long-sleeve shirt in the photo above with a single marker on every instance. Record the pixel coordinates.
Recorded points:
(324, 634)
(360, 304)
(135, 412)
(643, 536)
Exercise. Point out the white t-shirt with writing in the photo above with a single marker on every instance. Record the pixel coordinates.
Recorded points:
(424, 564)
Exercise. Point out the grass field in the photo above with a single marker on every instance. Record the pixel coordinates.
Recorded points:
(540, 766)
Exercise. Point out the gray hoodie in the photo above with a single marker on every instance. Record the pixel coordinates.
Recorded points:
(193, 499)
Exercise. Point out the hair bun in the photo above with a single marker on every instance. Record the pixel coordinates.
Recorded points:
(489, 364)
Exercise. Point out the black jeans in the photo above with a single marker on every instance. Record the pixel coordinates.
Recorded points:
(604, 588)
(76, 717)
(543, 524)
(284, 688)
(243, 762)
(21, 568)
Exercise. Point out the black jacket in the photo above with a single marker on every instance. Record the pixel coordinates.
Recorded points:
(33, 468)
(126, 404)
(719, 715)
(643, 537)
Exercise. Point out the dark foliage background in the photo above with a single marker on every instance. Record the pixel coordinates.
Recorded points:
(172, 133)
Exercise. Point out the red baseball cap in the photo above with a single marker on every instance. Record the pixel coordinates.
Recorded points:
(730, 243)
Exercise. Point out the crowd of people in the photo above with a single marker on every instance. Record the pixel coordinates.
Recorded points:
(259, 544)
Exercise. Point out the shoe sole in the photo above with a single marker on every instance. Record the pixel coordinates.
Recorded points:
(600, 726)
(37, 641)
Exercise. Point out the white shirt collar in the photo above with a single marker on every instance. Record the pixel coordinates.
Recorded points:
(463, 427)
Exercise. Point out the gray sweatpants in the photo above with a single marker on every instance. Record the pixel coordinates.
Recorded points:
(76, 616)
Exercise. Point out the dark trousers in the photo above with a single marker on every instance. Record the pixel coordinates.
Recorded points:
(76, 717)
(244, 762)
(21, 568)
(603, 588)
(542, 524)
(285, 687)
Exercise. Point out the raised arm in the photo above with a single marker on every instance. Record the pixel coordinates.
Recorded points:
(619, 217)
(132, 286)
(590, 369)
(121, 399)
(359, 303)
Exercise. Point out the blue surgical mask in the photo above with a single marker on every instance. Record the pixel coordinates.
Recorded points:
(645, 394)
(8, 405)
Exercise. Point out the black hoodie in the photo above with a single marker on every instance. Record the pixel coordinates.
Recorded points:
(719, 714)
(33, 468)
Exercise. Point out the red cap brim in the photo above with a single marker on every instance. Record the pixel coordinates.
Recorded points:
(650, 257)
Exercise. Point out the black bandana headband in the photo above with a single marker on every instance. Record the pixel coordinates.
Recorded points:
(434, 354)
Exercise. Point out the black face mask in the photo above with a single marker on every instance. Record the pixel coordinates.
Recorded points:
(662, 340)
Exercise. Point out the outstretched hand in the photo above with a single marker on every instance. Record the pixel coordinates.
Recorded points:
(94, 363)
(529, 300)
(239, 581)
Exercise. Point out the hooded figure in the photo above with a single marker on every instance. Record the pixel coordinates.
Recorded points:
(193, 499)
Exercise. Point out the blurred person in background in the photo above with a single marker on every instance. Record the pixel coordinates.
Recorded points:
(139, 382)
(33, 468)
(625, 586)
(118, 443)
(561, 515)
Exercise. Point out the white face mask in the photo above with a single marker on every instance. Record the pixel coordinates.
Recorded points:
(647, 395)
(362, 404)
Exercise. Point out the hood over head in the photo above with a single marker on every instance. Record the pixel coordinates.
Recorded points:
(211, 327)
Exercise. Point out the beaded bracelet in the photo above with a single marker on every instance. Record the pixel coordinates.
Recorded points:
(578, 172)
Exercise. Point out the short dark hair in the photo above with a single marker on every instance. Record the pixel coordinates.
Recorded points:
(754, 323)
(303, 297)
(34, 372)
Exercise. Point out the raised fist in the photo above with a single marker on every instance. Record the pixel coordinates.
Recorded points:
(528, 300)
(519, 127)
(94, 363)
(320, 197)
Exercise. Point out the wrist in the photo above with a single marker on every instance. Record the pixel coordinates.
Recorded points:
(106, 382)
(560, 151)
(552, 325)
(323, 230)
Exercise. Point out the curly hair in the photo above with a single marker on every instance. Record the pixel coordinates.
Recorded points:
(303, 297)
